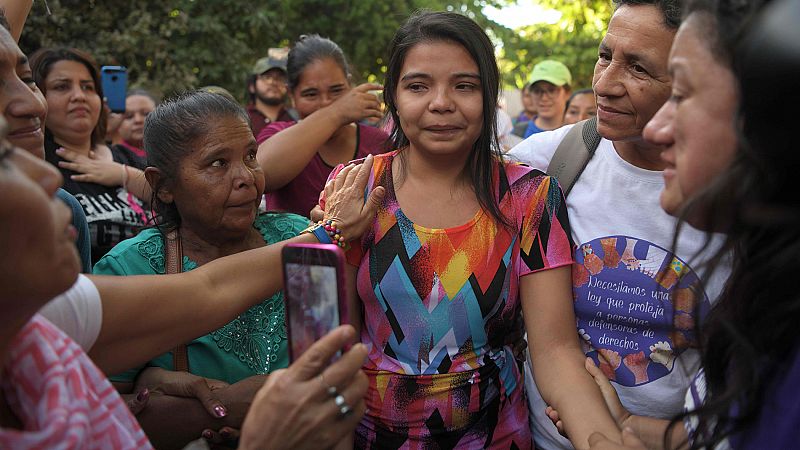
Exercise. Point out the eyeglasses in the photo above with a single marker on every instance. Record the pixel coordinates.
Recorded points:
(540, 91)
(274, 76)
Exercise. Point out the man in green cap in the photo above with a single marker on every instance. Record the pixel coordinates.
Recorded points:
(550, 89)
(268, 90)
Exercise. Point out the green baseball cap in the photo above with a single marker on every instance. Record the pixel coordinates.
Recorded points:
(551, 71)
(275, 59)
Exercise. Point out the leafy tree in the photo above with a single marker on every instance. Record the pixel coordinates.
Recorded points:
(573, 40)
(178, 44)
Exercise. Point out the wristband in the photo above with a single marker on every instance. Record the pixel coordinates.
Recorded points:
(326, 232)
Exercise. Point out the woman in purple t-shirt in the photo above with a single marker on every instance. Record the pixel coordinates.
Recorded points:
(297, 157)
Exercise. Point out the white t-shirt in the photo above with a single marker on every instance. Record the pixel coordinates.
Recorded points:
(624, 283)
(78, 312)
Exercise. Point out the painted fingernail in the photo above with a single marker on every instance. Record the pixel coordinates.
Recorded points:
(207, 434)
(60, 150)
(225, 433)
(219, 410)
(142, 395)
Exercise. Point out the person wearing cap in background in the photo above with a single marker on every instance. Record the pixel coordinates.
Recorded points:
(268, 91)
(550, 89)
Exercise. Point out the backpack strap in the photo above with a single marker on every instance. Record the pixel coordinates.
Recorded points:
(173, 263)
(574, 153)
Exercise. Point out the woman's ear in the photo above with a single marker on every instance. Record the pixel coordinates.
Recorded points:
(154, 179)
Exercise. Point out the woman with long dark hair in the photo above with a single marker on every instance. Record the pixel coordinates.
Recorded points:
(463, 243)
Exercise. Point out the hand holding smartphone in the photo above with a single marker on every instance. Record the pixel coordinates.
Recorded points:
(313, 294)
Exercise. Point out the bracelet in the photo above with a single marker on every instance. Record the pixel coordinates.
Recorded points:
(327, 232)
(335, 233)
(125, 177)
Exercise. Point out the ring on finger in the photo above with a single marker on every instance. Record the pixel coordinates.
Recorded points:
(331, 390)
(344, 408)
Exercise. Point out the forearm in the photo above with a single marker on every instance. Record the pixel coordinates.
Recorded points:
(284, 155)
(566, 386)
(140, 312)
(137, 184)
(16, 12)
(651, 431)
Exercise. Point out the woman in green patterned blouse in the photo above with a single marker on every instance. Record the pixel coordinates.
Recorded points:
(208, 186)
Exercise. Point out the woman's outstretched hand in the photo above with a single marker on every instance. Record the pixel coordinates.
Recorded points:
(358, 104)
(302, 407)
(344, 199)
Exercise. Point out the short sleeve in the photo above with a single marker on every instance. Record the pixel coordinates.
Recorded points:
(545, 235)
(78, 312)
(109, 265)
(271, 130)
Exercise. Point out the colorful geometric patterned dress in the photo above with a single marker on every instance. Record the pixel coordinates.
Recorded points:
(440, 307)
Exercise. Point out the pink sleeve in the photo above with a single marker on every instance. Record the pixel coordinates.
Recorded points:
(545, 235)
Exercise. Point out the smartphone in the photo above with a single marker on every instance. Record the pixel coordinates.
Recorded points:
(313, 293)
(115, 86)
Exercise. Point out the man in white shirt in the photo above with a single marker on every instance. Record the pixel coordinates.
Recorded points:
(635, 300)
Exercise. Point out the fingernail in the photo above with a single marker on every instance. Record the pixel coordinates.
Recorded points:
(60, 150)
(219, 410)
(225, 433)
(207, 434)
(142, 395)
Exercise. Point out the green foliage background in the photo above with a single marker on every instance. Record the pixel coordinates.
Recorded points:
(172, 45)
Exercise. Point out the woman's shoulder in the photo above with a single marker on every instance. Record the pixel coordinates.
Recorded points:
(517, 173)
(276, 226)
(142, 254)
(273, 129)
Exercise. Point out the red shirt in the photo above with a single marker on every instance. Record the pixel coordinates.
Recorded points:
(258, 120)
(301, 194)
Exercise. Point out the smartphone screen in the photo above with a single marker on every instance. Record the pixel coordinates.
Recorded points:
(312, 293)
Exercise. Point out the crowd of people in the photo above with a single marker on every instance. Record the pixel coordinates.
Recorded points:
(619, 279)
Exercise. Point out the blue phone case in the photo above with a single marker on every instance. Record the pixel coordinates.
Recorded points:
(115, 86)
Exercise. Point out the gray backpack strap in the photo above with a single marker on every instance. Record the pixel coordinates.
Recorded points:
(574, 153)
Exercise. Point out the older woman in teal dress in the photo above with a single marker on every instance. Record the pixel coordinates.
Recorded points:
(207, 186)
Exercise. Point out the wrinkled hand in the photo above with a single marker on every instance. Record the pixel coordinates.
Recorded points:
(598, 441)
(294, 410)
(358, 103)
(238, 397)
(618, 412)
(225, 437)
(136, 402)
(92, 168)
(185, 384)
(344, 199)
(316, 214)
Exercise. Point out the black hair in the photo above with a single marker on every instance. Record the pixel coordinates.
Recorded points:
(751, 330)
(172, 131)
(42, 62)
(671, 9)
(427, 26)
(312, 48)
(575, 94)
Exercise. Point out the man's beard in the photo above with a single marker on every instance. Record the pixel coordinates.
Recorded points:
(270, 101)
